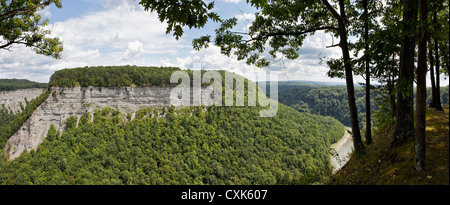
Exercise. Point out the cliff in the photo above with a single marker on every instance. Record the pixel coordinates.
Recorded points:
(12, 99)
(77, 101)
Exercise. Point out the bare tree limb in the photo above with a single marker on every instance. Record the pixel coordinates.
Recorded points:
(335, 45)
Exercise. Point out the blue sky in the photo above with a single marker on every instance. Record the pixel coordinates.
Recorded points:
(120, 32)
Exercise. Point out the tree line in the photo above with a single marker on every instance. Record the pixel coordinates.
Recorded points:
(16, 84)
(112, 76)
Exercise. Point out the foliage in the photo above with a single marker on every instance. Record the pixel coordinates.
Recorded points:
(332, 100)
(10, 123)
(197, 145)
(181, 13)
(113, 76)
(326, 101)
(20, 23)
(15, 84)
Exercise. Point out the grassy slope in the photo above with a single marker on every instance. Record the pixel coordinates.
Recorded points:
(382, 166)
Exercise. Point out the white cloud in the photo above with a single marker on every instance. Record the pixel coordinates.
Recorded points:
(134, 49)
(307, 67)
(246, 16)
(232, 1)
(121, 34)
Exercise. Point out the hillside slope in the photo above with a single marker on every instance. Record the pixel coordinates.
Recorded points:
(383, 166)
(222, 145)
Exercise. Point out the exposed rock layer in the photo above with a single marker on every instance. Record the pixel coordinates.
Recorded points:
(12, 99)
(65, 102)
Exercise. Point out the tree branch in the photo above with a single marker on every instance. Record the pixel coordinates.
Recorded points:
(265, 36)
(5, 46)
(335, 45)
(19, 11)
(331, 9)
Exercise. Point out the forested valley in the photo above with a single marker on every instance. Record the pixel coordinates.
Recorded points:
(194, 145)
(332, 100)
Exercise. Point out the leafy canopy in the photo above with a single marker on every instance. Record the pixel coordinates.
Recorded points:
(20, 23)
(197, 145)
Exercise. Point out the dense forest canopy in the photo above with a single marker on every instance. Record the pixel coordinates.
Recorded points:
(113, 76)
(222, 145)
(16, 84)
(332, 100)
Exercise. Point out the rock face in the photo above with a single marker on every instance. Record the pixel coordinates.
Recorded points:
(12, 99)
(341, 150)
(65, 102)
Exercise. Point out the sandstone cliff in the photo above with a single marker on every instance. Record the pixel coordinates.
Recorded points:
(65, 102)
(12, 99)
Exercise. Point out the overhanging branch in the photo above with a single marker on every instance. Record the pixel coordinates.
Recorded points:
(18, 11)
(265, 36)
(7, 45)
(335, 45)
(331, 9)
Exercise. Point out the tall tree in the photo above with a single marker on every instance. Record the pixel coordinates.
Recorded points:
(385, 47)
(421, 88)
(404, 125)
(368, 135)
(437, 102)
(281, 24)
(433, 81)
(20, 23)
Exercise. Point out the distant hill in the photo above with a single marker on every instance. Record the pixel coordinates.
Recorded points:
(15, 84)
(310, 83)
(333, 100)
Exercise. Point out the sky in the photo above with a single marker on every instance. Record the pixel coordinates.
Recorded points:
(120, 32)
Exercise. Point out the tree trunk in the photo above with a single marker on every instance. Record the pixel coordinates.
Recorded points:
(356, 134)
(436, 53)
(433, 84)
(390, 86)
(367, 61)
(404, 125)
(421, 89)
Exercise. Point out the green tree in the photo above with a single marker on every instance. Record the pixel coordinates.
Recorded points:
(404, 126)
(20, 23)
(437, 34)
(385, 47)
(281, 24)
(52, 134)
(365, 24)
(421, 87)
